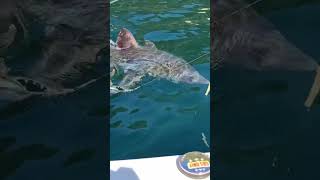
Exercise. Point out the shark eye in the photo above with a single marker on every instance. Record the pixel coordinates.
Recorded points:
(187, 79)
(169, 65)
(31, 85)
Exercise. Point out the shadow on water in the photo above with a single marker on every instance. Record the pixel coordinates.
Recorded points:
(41, 137)
(13, 158)
(79, 156)
(11, 110)
(123, 173)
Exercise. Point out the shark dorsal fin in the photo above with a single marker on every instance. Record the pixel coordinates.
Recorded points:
(150, 45)
(126, 40)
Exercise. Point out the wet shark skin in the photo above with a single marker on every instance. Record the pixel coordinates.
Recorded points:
(53, 13)
(244, 39)
(7, 12)
(141, 61)
(11, 91)
(248, 40)
(7, 38)
(70, 47)
(72, 42)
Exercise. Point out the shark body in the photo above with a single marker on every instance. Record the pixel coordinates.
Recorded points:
(244, 39)
(70, 48)
(139, 61)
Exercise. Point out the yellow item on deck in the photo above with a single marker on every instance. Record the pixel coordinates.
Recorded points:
(314, 92)
(208, 90)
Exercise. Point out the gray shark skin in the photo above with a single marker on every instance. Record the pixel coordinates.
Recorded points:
(138, 61)
(50, 75)
(7, 29)
(255, 40)
(89, 16)
(74, 35)
(10, 20)
(17, 88)
(243, 38)
(11, 88)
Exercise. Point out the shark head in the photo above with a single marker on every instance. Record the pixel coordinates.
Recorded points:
(125, 39)
(14, 88)
(11, 90)
(191, 76)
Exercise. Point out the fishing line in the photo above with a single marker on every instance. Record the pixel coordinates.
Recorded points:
(204, 139)
(66, 91)
(231, 14)
(243, 8)
(189, 62)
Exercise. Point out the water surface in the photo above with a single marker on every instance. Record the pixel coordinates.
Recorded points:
(163, 118)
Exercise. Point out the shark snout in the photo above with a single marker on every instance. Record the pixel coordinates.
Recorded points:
(193, 78)
(14, 88)
(11, 90)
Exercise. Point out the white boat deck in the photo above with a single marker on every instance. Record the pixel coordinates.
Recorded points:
(147, 169)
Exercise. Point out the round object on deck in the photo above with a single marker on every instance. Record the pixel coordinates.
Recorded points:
(195, 165)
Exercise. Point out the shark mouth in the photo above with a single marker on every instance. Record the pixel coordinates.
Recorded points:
(14, 89)
(31, 85)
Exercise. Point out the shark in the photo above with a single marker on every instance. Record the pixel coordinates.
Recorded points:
(70, 48)
(138, 61)
(14, 88)
(242, 38)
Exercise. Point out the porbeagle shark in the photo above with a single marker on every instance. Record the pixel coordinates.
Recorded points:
(243, 38)
(138, 61)
(70, 47)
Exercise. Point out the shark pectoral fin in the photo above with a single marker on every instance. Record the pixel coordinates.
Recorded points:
(150, 45)
(130, 80)
(314, 90)
(113, 72)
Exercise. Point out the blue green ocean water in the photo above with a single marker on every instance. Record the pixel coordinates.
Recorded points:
(163, 118)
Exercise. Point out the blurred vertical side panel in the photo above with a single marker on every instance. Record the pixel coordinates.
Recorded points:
(212, 99)
(54, 89)
(266, 89)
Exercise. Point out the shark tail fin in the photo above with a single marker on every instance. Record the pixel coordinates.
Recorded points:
(315, 89)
